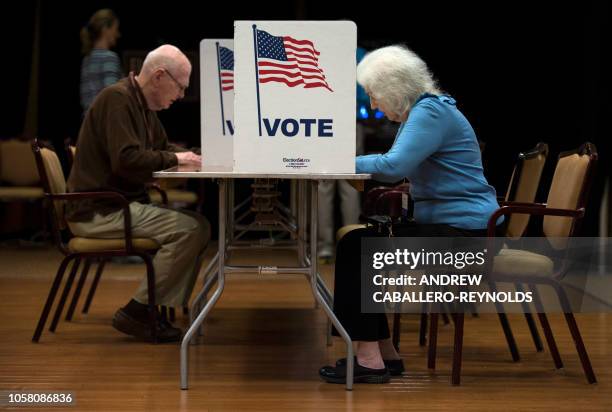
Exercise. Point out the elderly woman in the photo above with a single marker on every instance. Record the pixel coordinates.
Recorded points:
(437, 150)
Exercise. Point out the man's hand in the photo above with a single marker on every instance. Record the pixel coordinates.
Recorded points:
(188, 158)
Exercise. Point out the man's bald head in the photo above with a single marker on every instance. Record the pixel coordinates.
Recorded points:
(166, 57)
(164, 76)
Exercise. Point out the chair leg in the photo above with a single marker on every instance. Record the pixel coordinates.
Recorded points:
(533, 329)
(65, 293)
(548, 334)
(580, 347)
(550, 340)
(472, 308)
(151, 295)
(578, 342)
(433, 340)
(503, 320)
(49, 303)
(445, 318)
(171, 314)
(423, 329)
(397, 323)
(458, 349)
(445, 310)
(77, 291)
(94, 285)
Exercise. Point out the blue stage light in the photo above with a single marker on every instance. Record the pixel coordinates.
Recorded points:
(363, 112)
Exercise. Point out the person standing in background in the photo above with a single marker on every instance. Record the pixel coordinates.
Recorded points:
(100, 67)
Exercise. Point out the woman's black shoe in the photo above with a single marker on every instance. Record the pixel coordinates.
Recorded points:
(361, 374)
(395, 366)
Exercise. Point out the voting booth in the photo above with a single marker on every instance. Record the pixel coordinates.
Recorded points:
(217, 104)
(293, 90)
(295, 96)
(279, 98)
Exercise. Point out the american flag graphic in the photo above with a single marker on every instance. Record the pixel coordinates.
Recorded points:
(287, 60)
(226, 68)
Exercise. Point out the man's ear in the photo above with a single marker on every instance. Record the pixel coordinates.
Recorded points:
(157, 74)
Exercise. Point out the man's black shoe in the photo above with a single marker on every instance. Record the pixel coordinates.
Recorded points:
(395, 366)
(123, 322)
(361, 374)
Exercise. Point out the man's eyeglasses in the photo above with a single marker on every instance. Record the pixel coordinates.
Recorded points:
(180, 86)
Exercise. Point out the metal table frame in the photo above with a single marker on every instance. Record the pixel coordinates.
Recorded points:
(306, 193)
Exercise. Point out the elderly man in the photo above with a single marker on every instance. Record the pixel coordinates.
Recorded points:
(121, 143)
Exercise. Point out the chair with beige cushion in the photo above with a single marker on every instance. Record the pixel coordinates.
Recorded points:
(82, 248)
(524, 185)
(562, 215)
(19, 181)
(18, 172)
(157, 195)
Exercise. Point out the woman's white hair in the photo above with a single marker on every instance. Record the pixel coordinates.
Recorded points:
(395, 76)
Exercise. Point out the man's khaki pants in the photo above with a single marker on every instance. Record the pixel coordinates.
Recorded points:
(182, 236)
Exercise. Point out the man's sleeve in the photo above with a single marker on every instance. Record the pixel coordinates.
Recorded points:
(421, 136)
(128, 157)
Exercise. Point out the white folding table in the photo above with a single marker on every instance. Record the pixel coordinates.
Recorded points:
(306, 208)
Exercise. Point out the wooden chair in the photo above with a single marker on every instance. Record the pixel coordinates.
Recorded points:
(562, 214)
(157, 195)
(83, 248)
(19, 181)
(524, 185)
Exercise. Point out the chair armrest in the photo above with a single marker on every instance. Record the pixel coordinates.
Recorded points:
(162, 192)
(533, 209)
(119, 198)
(529, 204)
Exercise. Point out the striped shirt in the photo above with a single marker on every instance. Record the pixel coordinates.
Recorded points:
(99, 69)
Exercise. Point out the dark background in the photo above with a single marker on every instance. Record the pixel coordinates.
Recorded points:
(522, 72)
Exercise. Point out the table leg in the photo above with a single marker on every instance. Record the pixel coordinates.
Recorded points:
(314, 281)
(193, 329)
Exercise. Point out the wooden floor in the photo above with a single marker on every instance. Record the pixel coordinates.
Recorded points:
(263, 346)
